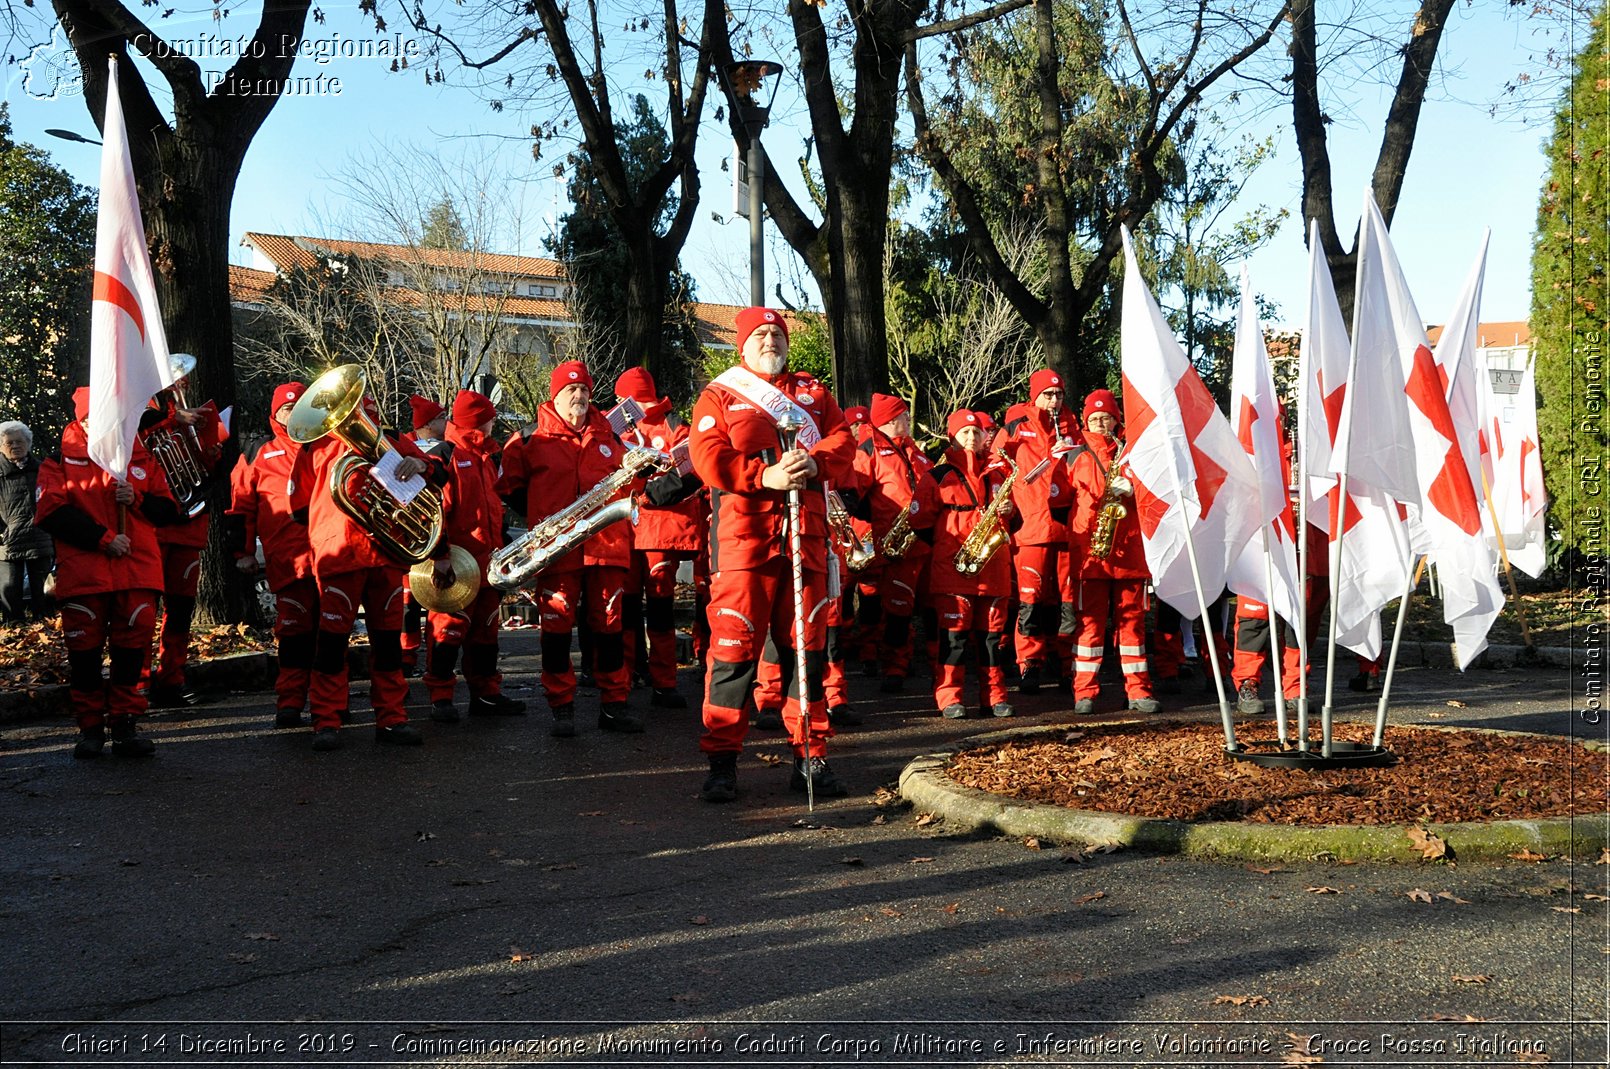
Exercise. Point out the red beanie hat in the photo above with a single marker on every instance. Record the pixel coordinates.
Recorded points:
(425, 410)
(286, 393)
(962, 418)
(471, 409)
(638, 384)
(752, 317)
(985, 420)
(886, 408)
(81, 403)
(857, 413)
(568, 373)
(1043, 380)
(1102, 401)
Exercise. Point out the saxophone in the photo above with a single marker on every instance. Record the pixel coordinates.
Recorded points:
(519, 562)
(1111, 509)
(989, 533)
(899, 537)
(858, 552)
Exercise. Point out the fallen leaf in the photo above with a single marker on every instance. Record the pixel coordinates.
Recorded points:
(1531, 1057)
(851, 861)
(686, 996)
(1031, 842)
(1324, 890)
(1435, 714)
(1091, 897)
(884, 796)
(925, 819)
(1302, 1044)
(1529, 855)
(1595, 898)
(1420, 894)
(1455, 899)
(1104, 848)
(1455, 703)
(1604, 857)
(920, 861)
(887, 912)
(562, 866)
(1474, 978)
(1098, 756)
(424, 836)
(1262, 871)
(516, 954)
(1430, 846)
(591, 813)
(1293, 1057)
(1566, 909)
(1241, 1000)
(263, 937)
(765, 759)
(952, 908)
(700, 919)
(128, 861)
(1465, 1017)
(880, 819)
(243, 959)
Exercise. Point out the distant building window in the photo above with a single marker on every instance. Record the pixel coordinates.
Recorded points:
(543, 291)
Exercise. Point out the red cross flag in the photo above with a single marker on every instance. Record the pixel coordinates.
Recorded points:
(1196, 495)
(128, 349)
(1519, 500)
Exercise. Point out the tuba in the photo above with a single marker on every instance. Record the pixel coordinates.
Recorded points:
(1110, 510)
(178, 451)
(519, 562)
(858, 552)
(989, 533)
(407, 533)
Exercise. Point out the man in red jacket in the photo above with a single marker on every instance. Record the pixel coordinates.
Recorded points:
(429, 421)
(1116, 581)
(738, 453)
(569, 452)
(1033, 434)
(108, 573)
(260, 509)
(894, 478)
(666, 535)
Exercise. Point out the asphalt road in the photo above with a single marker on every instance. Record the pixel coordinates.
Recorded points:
(498, 897)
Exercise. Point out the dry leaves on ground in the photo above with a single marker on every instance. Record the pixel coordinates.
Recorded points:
(1529, 855)
(1322, 890)
(1474, 978)
(1179, 771)
(1430, 846)
(1240, 1000)
(1093, 896)
(34, 655)
(1419, 894)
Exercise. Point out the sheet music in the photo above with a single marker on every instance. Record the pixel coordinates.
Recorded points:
(683, 458)
(385, 473)
(624, 416)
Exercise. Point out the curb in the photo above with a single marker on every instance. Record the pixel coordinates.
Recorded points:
(220, 675)
(925, 785)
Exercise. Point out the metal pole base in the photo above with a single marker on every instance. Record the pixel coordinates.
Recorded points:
(1342, 755)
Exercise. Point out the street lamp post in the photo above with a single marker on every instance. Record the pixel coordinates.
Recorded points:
(746, 79)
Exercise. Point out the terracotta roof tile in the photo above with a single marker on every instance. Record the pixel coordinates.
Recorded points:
(288, 251)
(1494, 335)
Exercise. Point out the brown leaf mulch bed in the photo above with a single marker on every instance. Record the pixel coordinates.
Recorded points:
(34, 655)
(1179, 771)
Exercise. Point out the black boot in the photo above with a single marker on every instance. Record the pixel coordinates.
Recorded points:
(496, 705)
(444, 711)
(614, 716)
(564, 722)
(125, 743)
(91, 741)
(1030, 683)
(842, 716)
(399, 735)
(827, 784)
(721, 785)
(667, 698)
(173, 697)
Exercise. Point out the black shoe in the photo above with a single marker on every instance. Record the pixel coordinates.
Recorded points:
(1030, 683)
(842, 716)
(496, 705)
(91, 741)
(564, 722)
(1247, 702)
(399, 735)
(614, 716)
(893, 684)
(327, 739)
(721, 785)
(444, 711)
(1170, 685)
(1002, 710)
(1145, 705)
(586, 680)
(125, 741)
(1084, 706)
(826, 783)
(175, 697)
(768, 719)
(1359, 683)
(288, 718)
(954, 711)
(667, 698)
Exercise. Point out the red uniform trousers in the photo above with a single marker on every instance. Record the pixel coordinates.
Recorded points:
(475, 631)
(1045, 604)
(964, 620)
(743, 606)
(898, 588)
(296, 617)
(769, 676)
(560, 596)
(379, 589)
(181, 572)
(651, 597)
(1126, 599)
(122, 623)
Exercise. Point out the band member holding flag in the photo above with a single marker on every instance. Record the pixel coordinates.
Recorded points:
(736, 451)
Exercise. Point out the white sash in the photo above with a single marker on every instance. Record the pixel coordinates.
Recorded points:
(770, 400)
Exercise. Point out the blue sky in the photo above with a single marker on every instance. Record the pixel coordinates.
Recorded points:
(1468, 170)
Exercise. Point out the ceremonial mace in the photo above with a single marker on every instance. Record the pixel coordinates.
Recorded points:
(788, 431)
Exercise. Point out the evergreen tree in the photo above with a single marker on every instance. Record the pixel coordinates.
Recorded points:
(47, 250)
(1569, 303)
(443, 227)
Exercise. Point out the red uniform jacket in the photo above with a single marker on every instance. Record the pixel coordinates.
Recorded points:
(732, 441)
(1089, 470)
(685, 525)
(339, 544)
(966, 485)
(1027, 435)
(260, 495)
(474, 510)
(894, 476)
(74, 503)
(554, 465)
(211, 434)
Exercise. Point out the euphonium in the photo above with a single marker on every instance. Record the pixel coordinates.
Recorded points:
(408, 533)
(858, 552)
(1110, 510)
(178, 450)
(519, 562)
(989, 533)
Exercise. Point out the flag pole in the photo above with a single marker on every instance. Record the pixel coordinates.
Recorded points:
(1274, 640)
(1334, 548)
(1391, 662)
(1207, 630)
(1509, 573)
(1302, 606)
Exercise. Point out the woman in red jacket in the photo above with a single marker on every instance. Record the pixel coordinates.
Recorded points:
(571, 449)
(971, 608)
(108, 576)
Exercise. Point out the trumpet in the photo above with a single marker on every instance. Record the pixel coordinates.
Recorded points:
(858, 552)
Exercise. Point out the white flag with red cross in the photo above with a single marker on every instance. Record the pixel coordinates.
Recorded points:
(1270, 557)
(1192, 479)
(128, 349)
(1520, 503)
